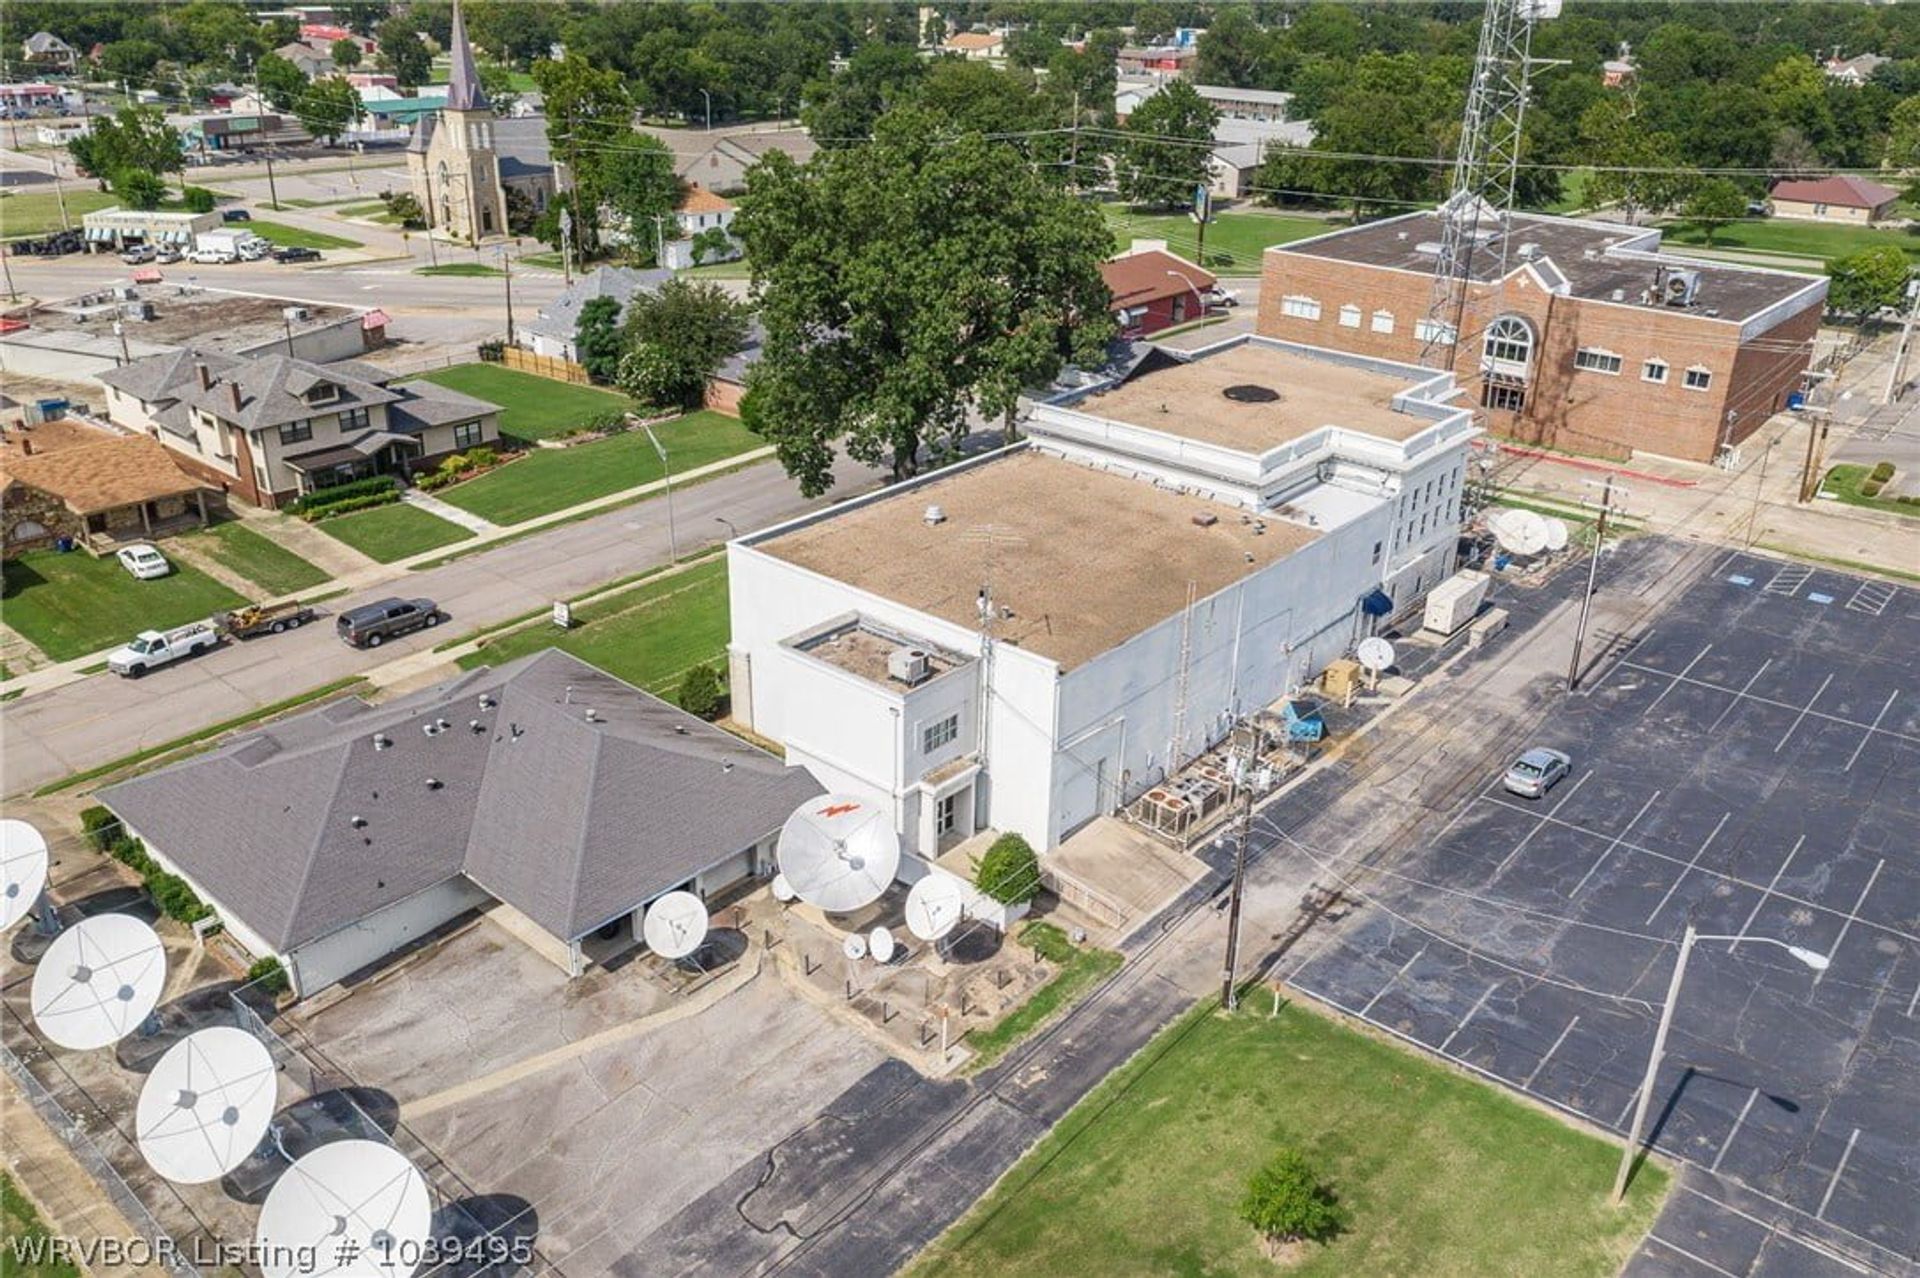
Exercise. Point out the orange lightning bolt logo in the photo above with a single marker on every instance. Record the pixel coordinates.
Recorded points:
(839, 809)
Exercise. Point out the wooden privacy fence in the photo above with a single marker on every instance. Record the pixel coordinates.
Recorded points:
(564, 370)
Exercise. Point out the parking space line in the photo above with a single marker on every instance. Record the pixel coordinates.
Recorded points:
(1728, 1142)
(1744, 689)
(1795, 725)
(1681, 877)
(1542, 1063)
(1872, 598)
(1608, 850)
(1773, 701)
(1540, 819)
(1702, 1261)
(1768, 891)
(1789, 579)
(1834, 953)
(1674, 682)
(1868, 734)
(1915, 1000)
(1390, 980)
(1471, 1013)
(1837, 1171)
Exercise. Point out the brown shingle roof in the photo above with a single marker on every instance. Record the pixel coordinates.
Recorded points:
(972, 40)
(1136, 279)
(700, 200)
(102, 476)
(1843, 189)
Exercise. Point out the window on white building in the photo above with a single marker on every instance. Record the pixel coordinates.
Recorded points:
(1383, 321)
(1349, 316)
(1298, 307)
(1699, 378)
(296, 432)
(354, 419)
(940, 733)
(1655, 371)
(1591, 359)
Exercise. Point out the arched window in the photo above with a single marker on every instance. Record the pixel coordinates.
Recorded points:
(1509, 342)
(1505, 364)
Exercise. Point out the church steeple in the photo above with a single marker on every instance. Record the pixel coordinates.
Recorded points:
(463, 83)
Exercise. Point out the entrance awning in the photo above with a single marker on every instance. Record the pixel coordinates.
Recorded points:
(1378, 603)
(345, 454)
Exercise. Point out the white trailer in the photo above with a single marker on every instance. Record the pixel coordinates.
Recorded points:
(1455, 601)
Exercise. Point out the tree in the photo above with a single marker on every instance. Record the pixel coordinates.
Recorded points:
(1397, 105)
(1903, 135)
(1009, 872)
(1152, 24)
(328, 108)
(1866, 282)
(712, 245)
(637, 182)
(699, 693)
(589, 121)
(136, 137)
(1287, 1201)
(1793, 155)
(597, 337)
(842, 110)
(1636, 165)
(345, 53)
(904, 281)
(1715, 203)
(139, 188)
(1169, 140)
(198, 199)
(402, 53)
(404, 208)
(280, 82)
(1235, 50)
(677, 336)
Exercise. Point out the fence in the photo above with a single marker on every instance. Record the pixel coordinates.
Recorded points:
(563, 370)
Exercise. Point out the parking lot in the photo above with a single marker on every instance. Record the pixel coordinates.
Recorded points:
(1750, 765)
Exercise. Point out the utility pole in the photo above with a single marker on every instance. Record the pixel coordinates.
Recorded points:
(273, 192)
(1593, 575)
(1759, 487)
(566, 244)
(433, 254)
(506, 264)
(660, 240)
(1229, 996)
(1816, 438)
(6, 264)
(1895, 382)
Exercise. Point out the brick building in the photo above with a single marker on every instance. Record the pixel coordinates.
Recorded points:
(1154, 289)
(1600, 343)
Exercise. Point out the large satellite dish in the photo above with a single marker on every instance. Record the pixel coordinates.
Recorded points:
(23, 870)
(351, 1209)
(1521, 532)
(881, 945)
(934, 906)
(675, 925)
(839, 853)
(1557, 535)
(1375, 654)
(98, 981)
(206, 1105)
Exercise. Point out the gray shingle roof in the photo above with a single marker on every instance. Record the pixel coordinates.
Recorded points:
(463, 77)
(424, 404)
(569, 821)
(560, 318)
(273, 390)
(163, 377)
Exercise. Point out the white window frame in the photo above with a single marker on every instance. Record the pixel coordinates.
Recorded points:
(1299, 306)
(1598, 359)
(1704, 376)
(940, 733)
(1433, 331)
(1349, 316)
(1381, 322)
(1648, 368)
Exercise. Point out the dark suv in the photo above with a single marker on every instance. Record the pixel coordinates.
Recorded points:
(371, 625)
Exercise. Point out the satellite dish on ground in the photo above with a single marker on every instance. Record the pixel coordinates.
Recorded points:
(839, 852)
(1375, 654)
(855, 946)
(206, 1105)
(1557, 536)
(1522, 532)
(98, 981)
(675, 925)
(23, 870)
(934, 906)
(350, 1209)
(880, 944)
(783, 890)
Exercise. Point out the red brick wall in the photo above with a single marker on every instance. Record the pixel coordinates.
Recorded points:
(724, 397)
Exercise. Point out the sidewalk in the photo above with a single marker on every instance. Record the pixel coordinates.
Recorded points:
(65, 672)
(448, 511)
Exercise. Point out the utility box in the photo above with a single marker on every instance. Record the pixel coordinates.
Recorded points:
(1455, 601)
(1341, 680)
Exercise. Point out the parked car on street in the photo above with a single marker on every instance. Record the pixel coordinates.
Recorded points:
(143, 561)
(152, 648)
(371, 625)
(168, 256)
(138, 254)
(1536, 772)
(296, 254)
(235, 215)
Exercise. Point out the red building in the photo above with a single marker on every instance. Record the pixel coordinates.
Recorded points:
(1154, 289)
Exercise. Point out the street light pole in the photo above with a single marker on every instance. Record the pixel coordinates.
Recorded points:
(1818, 962)
(733, 533)
(1198, 301)
(666, 468)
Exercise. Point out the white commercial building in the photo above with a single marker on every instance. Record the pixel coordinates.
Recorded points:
(1029, 640)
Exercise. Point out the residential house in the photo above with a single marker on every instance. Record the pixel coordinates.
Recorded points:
(545, 788)
(269, 428)
(1855, 71)
(66, 481)
(729, 382)
(314, 63)
(45, 51)
(1840, 197)
(700, 212)
(1154, 289)
(1241, 146)
(553, 332)
(977, 46)
(723, 166)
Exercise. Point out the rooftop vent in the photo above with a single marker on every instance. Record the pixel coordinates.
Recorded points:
(934, 515)
(295, 314)
(433, 783)
(487, 702)
(1428, 248)
(1249, 393)
(909, 665)
(358, 823)
(593, 716)
(431, 729)
(1619, 295)
(475, 726)
(1529, 251)
(381, 741)
(1205, 519)
(1401, 236)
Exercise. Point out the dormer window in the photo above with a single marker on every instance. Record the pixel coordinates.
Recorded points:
(322, 393)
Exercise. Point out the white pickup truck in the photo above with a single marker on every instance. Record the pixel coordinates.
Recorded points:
(151, 648)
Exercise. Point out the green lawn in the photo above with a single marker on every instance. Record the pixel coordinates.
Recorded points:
(1843, 484)
(39, 214)
(351, 209)
(72, 604)
(1079, 970)
(738, 269)
(476, 269)
(531, 407)
(264, 562)
(21, 1231)
(284, 236)
(1787, 237)
(550, 479)
(1234, 240)
(1573, 192)
(548, 259)
(387, 533)
(1442, 1174)
(649, 635)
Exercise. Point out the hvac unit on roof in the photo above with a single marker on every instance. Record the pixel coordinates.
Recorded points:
(1529, 251)
(909, 665)
(1680, 288)
(295, 314)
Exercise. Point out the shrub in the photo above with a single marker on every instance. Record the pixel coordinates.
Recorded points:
(434, 480)
(1871, 488)
(352, 504)
(321, 497)
(198, 199)
(480, 458)
(96, 823)
(1882, 472)
(1009, 872)
(269, 975)
(493, 352)
(131, 853)
(175, 899)
(1287, 1202)
(700, 692)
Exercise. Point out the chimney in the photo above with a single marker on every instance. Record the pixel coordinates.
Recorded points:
(233, 393)
(206, 376)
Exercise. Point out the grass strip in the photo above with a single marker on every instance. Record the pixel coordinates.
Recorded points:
(1079, 970)
(1851, 565)
(1842, 484)
(25, 1239)
(598, 592)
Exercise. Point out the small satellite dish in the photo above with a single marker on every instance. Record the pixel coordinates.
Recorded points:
(23, 870)
(880, 944)
(206, 1105)
(98, 981)
(855, 946)
(1375, 654)
(934, 906)
(1557, 536)
(783, 890)
(350, 1209)
(675, 925)
(839, 852)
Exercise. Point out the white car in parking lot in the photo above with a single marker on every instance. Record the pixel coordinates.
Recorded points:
(143, 561)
